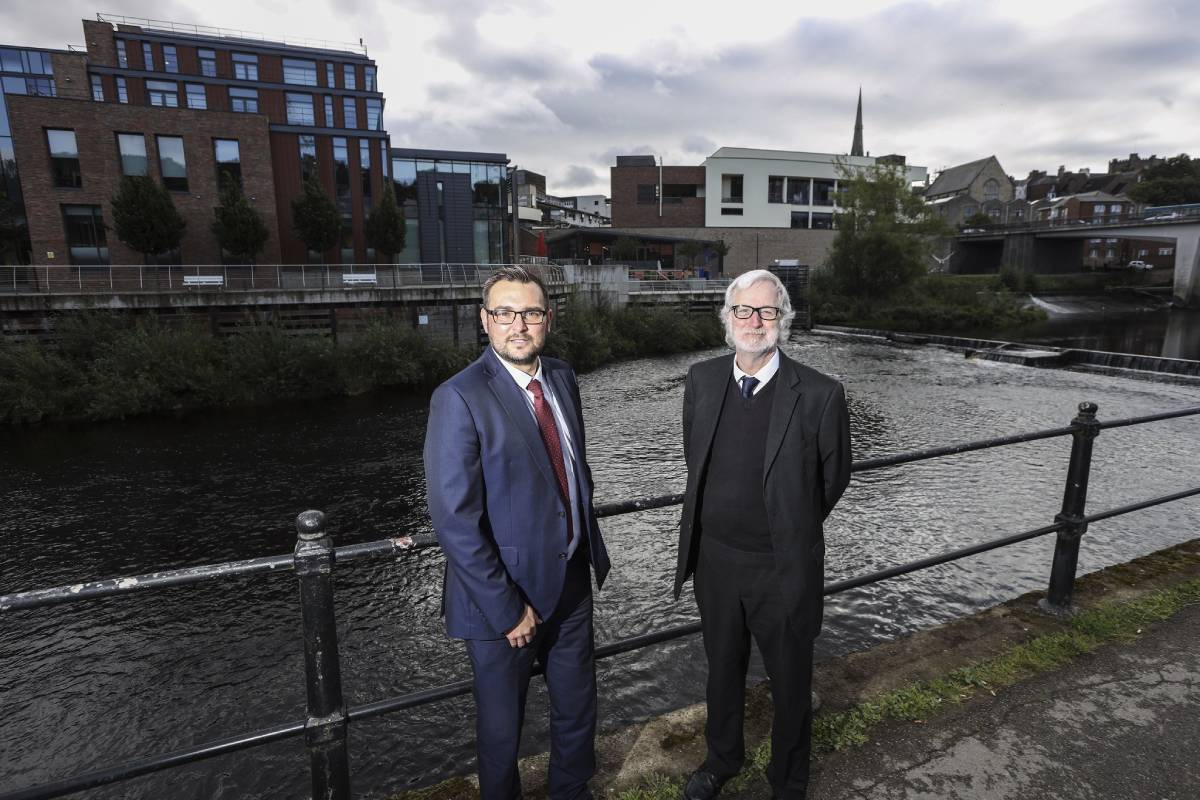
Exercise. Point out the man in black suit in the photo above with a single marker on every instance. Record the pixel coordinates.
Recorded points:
(767, 445)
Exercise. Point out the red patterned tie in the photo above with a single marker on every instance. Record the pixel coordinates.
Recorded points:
(549, 431)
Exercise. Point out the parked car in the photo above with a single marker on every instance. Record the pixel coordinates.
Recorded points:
(1140, 265)
(1172, 215)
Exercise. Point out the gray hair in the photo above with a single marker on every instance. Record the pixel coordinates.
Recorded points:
(745, 281)
(512, 272)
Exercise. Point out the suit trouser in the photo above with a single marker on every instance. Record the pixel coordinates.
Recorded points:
(739, 597)
(564, 646)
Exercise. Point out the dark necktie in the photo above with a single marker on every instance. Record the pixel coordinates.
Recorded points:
(549, 431)
(748, 385)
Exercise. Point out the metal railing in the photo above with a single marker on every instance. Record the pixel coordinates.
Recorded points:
(151, 25)
(172, 279)
(314, 561)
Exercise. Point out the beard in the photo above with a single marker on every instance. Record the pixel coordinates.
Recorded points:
(510, 355)
(751, 342)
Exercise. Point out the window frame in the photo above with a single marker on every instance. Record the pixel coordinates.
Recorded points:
(245, 66)
(296, 101)
(170, 59)
(161, 91)
(349, 79)
(124, 158)
(208, 61)
(64, 174)
(172, 183)
(349, 112)
(192, 90)
(218, 163)
(299, 67)
(240, 100)
(148, 57)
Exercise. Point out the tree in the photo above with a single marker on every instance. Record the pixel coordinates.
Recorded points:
(690, 251)
(385, 228)
(145, 217)
(315, 217)
(885, 233)
(721, 250)
(1173, 182)
(238, 226)
(625, 248)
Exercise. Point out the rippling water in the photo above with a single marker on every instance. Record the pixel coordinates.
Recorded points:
(106, 681)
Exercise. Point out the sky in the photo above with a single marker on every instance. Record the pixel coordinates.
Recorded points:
(562, 88)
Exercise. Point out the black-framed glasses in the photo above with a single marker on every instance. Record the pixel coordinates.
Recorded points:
(506, 316)
(765, 313)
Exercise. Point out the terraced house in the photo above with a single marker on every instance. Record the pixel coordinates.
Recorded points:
(187, 105)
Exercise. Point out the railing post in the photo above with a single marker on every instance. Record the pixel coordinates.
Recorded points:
(325, 730)
(1066, 547)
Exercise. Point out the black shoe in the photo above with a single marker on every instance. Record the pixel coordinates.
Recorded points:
(702, 785)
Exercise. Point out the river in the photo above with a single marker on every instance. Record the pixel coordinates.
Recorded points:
(101, 682)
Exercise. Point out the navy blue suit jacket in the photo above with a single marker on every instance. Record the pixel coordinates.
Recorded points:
(494, 499)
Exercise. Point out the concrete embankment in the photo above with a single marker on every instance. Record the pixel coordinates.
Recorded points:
(1008, 703)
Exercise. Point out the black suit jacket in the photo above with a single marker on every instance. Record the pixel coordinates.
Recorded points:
(805, 471)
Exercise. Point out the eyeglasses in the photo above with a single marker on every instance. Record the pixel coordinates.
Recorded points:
(506, 316)
(765, 313)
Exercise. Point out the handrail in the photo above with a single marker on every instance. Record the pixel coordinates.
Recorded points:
(315, 558)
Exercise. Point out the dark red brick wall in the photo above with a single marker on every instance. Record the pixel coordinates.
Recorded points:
(628, 213)
(95, 126)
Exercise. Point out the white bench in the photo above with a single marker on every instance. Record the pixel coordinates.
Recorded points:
(190, 281)
(358, 279)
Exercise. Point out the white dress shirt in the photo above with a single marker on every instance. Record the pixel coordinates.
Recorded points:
(764, 375)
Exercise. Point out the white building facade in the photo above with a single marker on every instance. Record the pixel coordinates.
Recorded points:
(749, 188)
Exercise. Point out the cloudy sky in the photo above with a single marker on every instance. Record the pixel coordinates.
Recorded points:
(563, 87)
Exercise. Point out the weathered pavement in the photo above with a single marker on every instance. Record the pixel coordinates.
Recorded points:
(1121, 722)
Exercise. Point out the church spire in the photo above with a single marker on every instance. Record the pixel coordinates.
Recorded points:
(856, 149)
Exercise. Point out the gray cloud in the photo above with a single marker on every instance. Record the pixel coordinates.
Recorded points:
(577, 176)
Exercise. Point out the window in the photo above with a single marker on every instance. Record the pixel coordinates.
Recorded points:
(1143, 252)
(122, 90)
(197, 97)
(404, 180)
(243, 100)
(341, 175)
(991, 189)
(364, 171)
(647, 193)
(675, 192)
(64, 158)
(308, 156)
(348, 76)
(208, 63)
(731, 189)
(171, 163)
(97, 89)
(731, 212)
(163, 93)
(122, 56)
(329, 74)
(300, 109)
(148, 55)
(968, 211)
(822, 222)
(299, 72)
(1166, 251)
(35, 87)
(369, 79)
(245, 67)
(329, 112)
(132, 149)
(797, 191)
(775, 190)
(170, 58)
(229, 161)
(823, 195)
(349, 112)
(374, 114)
(383, 158)
(85, 235)
(799, 219)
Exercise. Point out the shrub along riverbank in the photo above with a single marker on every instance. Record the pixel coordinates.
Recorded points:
(110, 366)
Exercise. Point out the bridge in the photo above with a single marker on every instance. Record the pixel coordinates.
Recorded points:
(1036, 246)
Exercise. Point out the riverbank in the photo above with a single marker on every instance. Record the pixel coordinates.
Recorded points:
(105, 367)
(917, 690)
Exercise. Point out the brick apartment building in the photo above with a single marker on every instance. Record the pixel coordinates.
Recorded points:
(183, 105)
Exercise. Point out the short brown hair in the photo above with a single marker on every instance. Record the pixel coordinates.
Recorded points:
(516, 275)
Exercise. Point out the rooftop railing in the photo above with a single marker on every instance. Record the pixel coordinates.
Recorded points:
(209, 31)
(315, 559)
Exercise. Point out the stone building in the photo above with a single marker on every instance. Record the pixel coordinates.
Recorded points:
(977, 187)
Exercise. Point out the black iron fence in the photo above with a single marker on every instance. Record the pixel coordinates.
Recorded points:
(315, 558)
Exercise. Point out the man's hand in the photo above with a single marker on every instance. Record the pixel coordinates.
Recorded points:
(522, 634)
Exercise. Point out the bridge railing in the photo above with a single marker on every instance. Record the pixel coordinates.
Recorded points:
(1080, 223)
(315, 559)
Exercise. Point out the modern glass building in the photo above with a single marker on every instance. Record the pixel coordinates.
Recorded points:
(22, 72)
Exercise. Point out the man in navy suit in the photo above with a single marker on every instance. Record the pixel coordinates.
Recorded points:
(510, 495)
(767, 445)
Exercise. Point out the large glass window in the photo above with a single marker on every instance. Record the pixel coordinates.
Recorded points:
(245, 67)
(122, 55)
(170, 58)
(243, 100)
(775, 190)
(172, 163)
(97, 89)
(162, 93)
(797, 191)
(822, 195)
(348, 76)
(369, 79)
(341, 175)
(147, 55)
(822, 222)
(300, 109)
(197, 96)
(799, 219)
(404, 179)
(122, 90)
(374, 114)
(85, 235)
(208, 63)
(991, 189)
(64, 158)
(308, 156)
(329, 74)
(299, 72)
(228, 156)
(349, 112)
(132, 149)
(329, 112)
(10, 60)
(731, 188)
(364, 171)
(36, 87)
